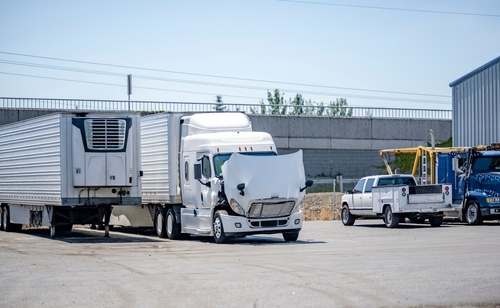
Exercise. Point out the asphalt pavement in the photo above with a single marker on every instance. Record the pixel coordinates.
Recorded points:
(365, 265)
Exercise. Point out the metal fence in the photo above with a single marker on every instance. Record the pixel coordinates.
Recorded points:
(150, 106)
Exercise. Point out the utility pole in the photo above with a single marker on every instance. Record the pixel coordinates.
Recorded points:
(129, 88)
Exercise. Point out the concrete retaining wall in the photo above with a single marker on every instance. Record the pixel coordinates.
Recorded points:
(347, 146)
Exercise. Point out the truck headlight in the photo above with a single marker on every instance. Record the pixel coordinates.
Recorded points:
(236, 207)
(298, 207)
(492, 200)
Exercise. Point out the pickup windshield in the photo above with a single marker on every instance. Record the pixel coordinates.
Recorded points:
(220, 159)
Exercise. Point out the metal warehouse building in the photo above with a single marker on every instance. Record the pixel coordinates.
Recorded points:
(476, 106)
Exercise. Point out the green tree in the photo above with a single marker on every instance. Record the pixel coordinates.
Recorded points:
(297, 105)
(339, 108)
(219, 104)
(275, 104)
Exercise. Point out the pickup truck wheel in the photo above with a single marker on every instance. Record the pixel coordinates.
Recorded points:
(473, 213)
(436, 221)
(347, 218)
(160, 223)
(391, 219)
(173, 228)
(218, 230)
(290, 236)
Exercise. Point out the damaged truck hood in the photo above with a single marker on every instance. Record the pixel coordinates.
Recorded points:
(264, 177)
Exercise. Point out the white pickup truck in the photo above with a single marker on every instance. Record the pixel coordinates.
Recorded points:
(395, 198)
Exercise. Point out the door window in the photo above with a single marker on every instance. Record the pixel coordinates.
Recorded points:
(359, 187)
(206, 169)
(369, 185)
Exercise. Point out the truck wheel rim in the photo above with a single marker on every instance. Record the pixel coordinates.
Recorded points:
(159, 223)
(472, 213)
(344, 215)
(389, 217)
(170, 224)
(217, 227)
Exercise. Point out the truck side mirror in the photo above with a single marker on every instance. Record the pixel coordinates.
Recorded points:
(348, 192)
(456, 165)
(240, 187)
(197, 171)
(309, 183)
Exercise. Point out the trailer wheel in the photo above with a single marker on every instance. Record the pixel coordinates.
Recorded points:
(347, 218)
(173, 228)
(218, 230)
(436, 221)
(391, 219)
(291, 236)
(473, 213)
(160, 223)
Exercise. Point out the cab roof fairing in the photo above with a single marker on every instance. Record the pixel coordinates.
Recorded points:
(230, 142)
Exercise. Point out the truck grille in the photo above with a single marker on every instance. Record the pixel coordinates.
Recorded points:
(270, 209)
(105, 134)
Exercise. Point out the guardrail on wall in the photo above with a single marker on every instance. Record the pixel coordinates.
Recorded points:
(149, 106)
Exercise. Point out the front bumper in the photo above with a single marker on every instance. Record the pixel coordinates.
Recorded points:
(239, 225)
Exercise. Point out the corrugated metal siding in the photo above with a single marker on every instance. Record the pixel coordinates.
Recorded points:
(30, 161)
(476, 111)
(155, 158)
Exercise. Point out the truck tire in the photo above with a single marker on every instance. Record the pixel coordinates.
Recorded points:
(291, 236)
(436, 221)
(218, 230)
(473, 213)
(391, 220)
(172, 226)
(347, 218)
(160, 223)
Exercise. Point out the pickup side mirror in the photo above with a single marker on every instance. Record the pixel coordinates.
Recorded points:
(348, 192)
(309, 183)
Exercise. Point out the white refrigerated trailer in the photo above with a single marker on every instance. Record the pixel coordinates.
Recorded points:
(68, 168)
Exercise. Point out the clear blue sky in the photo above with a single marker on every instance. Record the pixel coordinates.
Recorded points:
(193, 50)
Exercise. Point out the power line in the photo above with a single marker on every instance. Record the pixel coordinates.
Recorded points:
(222, 77)
(391, 8)
(192, 92)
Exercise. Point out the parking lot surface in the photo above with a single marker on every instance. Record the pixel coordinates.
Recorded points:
(366, 265)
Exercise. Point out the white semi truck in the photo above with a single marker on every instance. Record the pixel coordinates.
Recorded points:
(210, 174)
(68, 168)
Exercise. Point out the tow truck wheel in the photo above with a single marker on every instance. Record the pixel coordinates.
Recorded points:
(173, 228)
(290, 236)
(391, 219)
(436, 221)
(347, 218)
(160, 223)
(473, 213)
(218, 230)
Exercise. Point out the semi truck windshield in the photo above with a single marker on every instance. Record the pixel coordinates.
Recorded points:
(220, 159)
